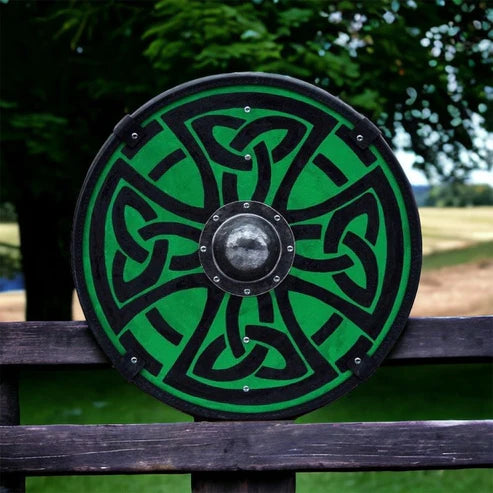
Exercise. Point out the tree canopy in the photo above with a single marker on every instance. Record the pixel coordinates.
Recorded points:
(421, 70)
(72, 69)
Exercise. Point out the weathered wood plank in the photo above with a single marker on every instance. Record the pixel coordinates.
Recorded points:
(9, 415)
(445, 339)
(49, 343)
(244, 481)
(245, 446)
(72, 343)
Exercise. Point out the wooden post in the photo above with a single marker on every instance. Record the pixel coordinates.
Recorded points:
(241, 482)
(9, 415)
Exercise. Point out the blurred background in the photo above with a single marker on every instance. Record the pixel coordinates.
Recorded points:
(421, 70)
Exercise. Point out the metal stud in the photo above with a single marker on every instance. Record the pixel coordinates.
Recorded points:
(248, 157)
(133, 360)
(246, 388)
(215, 217)
(359, 138)
(247, 109)
(246, 205)
(216, 279)
(135, 135)
(246, 291)
(289, 248)
(277, 278)
(246, 340)
(203, 249)
(357, 361)
(277, 217)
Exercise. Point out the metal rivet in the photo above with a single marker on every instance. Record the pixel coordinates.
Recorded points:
(359, 138)
(277, 278)
(203, 248)
(247, 291)
(133, 359)
(215, 217)
(248, 157)
(135, 135)
(289, 248)
(357, 361)
(216, 279)
(246, 388)
(277, 217)
(247, 109)
(246, 340)
(246, 205)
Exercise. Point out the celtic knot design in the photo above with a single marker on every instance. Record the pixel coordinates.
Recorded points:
(205, 350)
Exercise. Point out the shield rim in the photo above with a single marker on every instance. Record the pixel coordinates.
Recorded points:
(213, 82)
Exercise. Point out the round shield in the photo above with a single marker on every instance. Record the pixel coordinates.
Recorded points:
(246, 246)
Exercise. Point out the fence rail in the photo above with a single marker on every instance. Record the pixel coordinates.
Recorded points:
(72, 343)
(245, 446)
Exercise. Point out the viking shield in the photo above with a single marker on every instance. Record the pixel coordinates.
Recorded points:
(246, 246)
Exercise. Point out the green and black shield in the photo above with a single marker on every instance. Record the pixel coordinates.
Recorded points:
(246, 246)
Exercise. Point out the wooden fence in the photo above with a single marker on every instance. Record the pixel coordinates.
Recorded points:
(250, 456)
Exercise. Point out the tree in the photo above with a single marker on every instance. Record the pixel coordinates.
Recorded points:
(459, 195)
(75, 71)
(420, 71)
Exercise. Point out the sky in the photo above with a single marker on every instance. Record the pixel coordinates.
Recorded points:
(416, 177)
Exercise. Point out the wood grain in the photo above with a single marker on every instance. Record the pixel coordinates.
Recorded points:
(9, 415)
(445, 339)
(72, 343)
(245, 446)
(49, 343)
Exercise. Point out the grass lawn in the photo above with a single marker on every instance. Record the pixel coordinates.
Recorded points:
(444, 258)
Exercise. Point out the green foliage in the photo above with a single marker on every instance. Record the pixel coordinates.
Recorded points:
(460, 195)
(418, 69)
(10, 261)
(44, 131)
(7, 213)
(207, 37)
(65, 83)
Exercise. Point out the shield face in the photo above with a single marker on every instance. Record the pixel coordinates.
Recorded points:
(246, 246)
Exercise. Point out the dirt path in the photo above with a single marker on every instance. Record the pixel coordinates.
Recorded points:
(459, 290)
(11, 306)
(465, 289)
